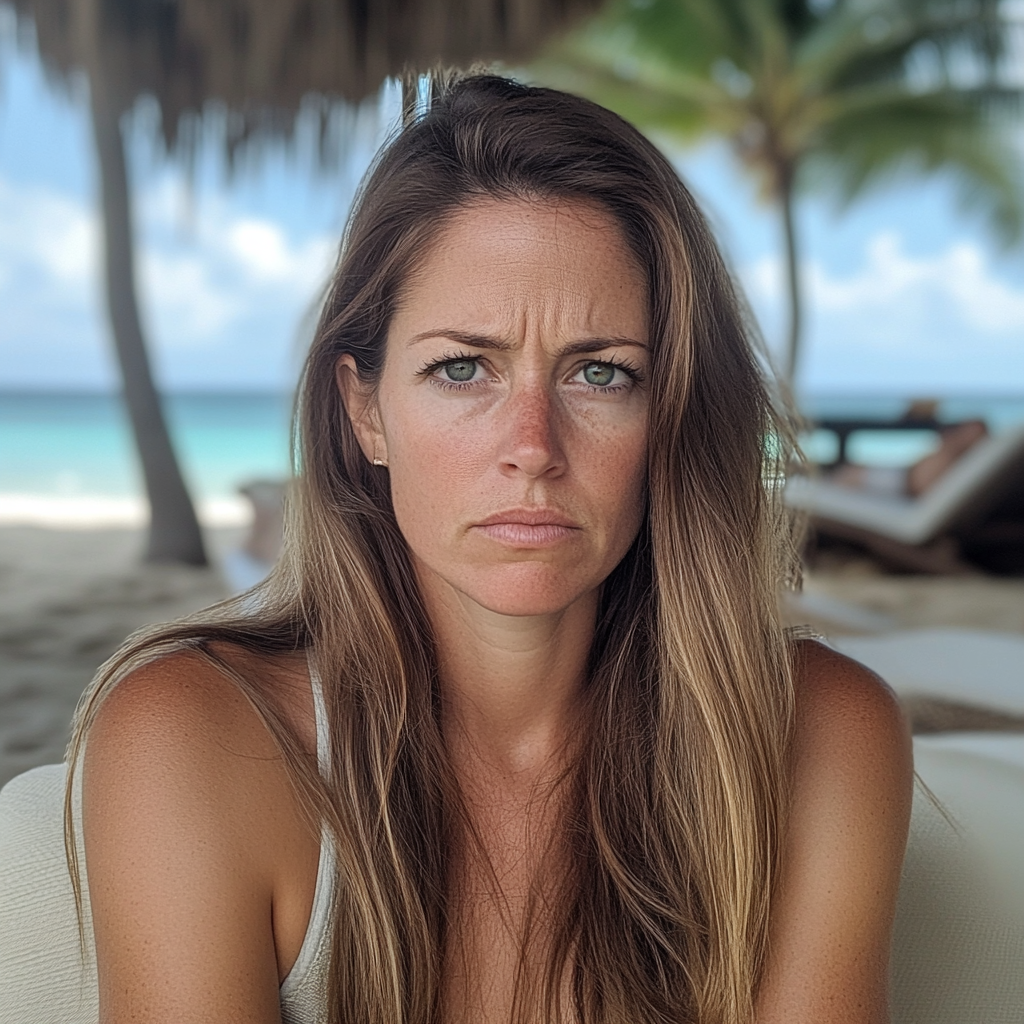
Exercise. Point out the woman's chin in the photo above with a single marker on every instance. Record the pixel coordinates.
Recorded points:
(524, 590)
(524, 605)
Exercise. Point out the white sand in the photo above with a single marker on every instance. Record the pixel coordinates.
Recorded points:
(68, 597)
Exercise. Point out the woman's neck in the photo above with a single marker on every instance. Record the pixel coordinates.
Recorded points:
(511, 685)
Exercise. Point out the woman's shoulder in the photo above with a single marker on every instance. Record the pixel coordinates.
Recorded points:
(845, 704)
(190, 702)
(849, 811)
(201, 862)
(177, 746)
(852, 756)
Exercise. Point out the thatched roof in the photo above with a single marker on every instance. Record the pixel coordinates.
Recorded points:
(259, 59)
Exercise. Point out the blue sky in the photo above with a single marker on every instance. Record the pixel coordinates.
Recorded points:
(904, 293)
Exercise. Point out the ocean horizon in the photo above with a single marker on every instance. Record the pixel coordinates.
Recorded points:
(67, 460)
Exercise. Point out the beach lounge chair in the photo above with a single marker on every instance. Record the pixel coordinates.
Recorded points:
(974, 513)
(245, 566)
(46, 975)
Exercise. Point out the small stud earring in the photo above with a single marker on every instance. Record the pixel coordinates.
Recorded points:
(379, 462)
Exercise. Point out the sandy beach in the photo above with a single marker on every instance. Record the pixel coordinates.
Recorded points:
(68, 597)
(890, 601)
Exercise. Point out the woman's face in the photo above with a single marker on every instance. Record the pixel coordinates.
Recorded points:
(512, 408)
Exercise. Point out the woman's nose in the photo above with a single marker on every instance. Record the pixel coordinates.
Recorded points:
(531, 442)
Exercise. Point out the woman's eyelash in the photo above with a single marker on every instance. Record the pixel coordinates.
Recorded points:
(449, 357)
(634, 373)
(631, 371)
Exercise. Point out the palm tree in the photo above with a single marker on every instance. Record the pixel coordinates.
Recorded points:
(261, 61)
(837, 94)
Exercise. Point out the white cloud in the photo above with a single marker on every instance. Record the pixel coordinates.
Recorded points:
(263, 250)
(891, 281)
(960, 275)
(945, 322)
(255, 249)
(203, 269)
(47, 231)
(186, 304)
(763, 279)
(207, 268)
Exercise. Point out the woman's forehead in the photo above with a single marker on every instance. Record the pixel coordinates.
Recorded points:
(559, 264)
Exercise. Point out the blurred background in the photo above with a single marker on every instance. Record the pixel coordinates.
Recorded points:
(174, 180)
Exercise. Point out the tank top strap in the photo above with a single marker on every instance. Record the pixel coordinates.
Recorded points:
(304, 991)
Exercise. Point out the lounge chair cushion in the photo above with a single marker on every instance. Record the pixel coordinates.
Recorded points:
(967, 666)
(958, 945)
(41, 962)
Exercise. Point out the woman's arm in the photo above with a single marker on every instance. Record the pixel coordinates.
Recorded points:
(188, 817)
(852, 784)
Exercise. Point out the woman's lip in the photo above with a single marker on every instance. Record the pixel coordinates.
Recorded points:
(527, 534)
(529, 517)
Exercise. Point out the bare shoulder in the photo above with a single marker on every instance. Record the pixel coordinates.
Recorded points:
(200, 863)
(178, 744)
(177, 747)
(169, 695)
(845, 711)
(183, 704)
(852, 754)
(851, 785)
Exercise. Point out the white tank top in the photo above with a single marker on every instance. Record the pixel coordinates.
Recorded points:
(44, 978)
(304, 991)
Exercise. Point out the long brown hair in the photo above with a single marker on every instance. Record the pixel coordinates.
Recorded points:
(679, 790)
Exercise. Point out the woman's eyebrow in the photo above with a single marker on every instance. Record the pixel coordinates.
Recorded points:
(597, 344)
(488, 342)
(463, 338)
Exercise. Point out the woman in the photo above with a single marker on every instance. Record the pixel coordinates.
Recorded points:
(571, 766)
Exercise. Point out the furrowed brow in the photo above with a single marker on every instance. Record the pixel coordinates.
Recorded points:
(463, 338)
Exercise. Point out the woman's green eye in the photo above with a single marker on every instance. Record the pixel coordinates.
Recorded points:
(599, 374)
(460, 370)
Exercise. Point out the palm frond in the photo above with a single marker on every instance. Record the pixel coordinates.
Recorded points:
(691, 34)
(667, 109)
(889, 135)
(883, 40)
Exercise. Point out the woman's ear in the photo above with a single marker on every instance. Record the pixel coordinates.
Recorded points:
(362, 411)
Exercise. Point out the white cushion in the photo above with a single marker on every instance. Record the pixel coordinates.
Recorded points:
(970, 666)
(43, 976)
(958, 944)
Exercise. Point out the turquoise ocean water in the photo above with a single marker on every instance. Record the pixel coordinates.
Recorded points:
(65, 447)
(70, 445)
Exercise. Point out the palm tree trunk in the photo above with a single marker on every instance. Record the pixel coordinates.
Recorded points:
(793, 335)
(174, 533)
